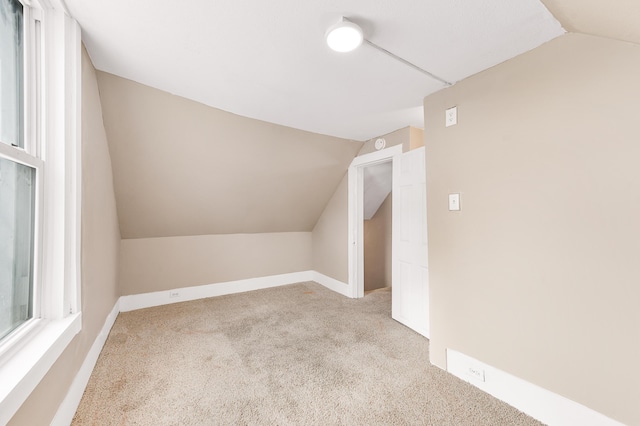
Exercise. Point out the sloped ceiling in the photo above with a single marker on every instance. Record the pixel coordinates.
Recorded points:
(377, 186)
(268, 59)
(618, 19)
(182, 168)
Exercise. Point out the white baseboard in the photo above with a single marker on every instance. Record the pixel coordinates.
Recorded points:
(539, 403)
(158, 298)
(332, 284)
(68, 408)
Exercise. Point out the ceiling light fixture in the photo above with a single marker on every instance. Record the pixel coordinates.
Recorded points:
(345, 36)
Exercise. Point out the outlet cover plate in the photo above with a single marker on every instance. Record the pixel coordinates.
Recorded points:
(454, 202)
(451, 117)
(476, 373)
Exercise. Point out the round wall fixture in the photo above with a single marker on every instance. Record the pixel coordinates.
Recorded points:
(380, 143)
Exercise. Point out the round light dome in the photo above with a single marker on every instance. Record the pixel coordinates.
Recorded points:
(344, 36)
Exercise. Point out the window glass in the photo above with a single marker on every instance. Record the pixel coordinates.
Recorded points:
(11, 73)
(17, 206)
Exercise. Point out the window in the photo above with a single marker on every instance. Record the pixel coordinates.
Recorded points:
(11, 72)
(17, 181)
(39, 193)
(17, 212)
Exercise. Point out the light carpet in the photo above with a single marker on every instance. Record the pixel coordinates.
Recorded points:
(291, 355)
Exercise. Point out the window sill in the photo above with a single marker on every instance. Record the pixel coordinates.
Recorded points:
(23, 370)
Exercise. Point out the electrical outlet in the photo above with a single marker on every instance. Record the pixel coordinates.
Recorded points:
(173, 294)
(476, 372)
(451, 117)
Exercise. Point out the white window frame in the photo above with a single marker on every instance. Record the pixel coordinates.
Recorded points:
(52, 146)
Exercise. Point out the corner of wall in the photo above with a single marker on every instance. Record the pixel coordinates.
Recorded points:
(329, 236)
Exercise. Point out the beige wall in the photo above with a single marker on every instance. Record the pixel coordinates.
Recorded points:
(538, 273)
(409, 137)
(397, 137)
(154, 264)
(183, 168)
(598, 18)
(330, 236)
(377, 248)
(100, 245)
(416, 138)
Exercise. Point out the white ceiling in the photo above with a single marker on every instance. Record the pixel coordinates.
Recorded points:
(268, 59)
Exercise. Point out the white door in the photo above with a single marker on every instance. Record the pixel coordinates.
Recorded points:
(410, 289)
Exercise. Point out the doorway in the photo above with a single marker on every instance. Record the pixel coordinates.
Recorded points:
(356, 178)
(410, 282)
(377, 230)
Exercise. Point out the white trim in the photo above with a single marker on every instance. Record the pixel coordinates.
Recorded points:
(68, 408)
(19, 156)
(62, 83)
(57, 255)
(59, 5)
(537, 402)
(332, 284)
(356, 215)
(183, 294)
(22, 373)
(377, 156)
(73, 160)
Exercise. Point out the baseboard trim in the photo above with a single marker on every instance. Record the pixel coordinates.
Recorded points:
(332, 284)
(539, 403)
(68, 408)
(183, 294)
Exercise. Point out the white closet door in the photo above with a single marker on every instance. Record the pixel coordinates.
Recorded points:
(410, 287)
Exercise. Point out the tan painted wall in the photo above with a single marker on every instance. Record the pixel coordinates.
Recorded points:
(100, 245)
(618, 21)
(538, 273)
(377, 248)
(397, 137)
(330, 236)
(416, 138)
(154, 264)
(183, 168)
(409, 137)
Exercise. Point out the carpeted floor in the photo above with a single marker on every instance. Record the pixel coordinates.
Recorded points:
(292, 355)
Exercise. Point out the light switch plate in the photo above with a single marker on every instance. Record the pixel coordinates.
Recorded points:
(454, 202)
(451, 117)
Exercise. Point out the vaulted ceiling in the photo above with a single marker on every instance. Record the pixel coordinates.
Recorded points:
(268, 59)
(182, 168)
(195, 164)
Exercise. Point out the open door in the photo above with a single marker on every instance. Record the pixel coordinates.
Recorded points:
(410, 289)
(356, 212)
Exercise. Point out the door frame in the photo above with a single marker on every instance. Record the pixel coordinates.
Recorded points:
(356, 212)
